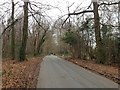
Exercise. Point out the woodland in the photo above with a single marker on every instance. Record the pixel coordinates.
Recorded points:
(89, 33)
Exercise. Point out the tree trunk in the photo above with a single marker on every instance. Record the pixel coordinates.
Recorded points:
(1, 44)
(22, 53)
(35, 39)
(97, 34)
(42, 40)
(13, 34)
(119, 16)
(119, 32)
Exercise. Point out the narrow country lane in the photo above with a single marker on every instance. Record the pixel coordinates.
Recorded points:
(58, 73)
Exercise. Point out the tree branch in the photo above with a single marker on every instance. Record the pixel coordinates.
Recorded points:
(36, 19)
(86, 11)
(109, 3)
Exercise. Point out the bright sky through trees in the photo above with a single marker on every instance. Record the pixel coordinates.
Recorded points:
(60, 6)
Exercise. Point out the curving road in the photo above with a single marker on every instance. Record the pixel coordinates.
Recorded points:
(58, 73)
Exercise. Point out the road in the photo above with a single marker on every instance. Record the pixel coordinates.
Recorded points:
(58, 73)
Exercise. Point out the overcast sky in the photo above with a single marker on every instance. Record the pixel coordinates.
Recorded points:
(61, 4)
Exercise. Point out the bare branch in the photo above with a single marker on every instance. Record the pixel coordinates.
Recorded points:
(36, 19)
(108, 25)
(14, 23)
(65, 20)
(109, 3)
(86, 11)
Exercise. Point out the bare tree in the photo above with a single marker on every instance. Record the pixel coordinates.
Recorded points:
(97, 32)
(13, 33)
(22, 54)
(119, 16)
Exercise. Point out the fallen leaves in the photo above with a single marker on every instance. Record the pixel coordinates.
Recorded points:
(20, 74)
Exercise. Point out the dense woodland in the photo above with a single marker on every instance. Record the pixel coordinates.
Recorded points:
(89, 33)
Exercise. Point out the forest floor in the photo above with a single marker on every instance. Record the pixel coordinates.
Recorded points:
(110, 72)
(17, 74)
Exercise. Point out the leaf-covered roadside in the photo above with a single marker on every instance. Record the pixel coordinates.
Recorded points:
(17, 74)
(110, 72)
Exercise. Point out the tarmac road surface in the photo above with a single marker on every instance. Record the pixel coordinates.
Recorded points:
(58, 73)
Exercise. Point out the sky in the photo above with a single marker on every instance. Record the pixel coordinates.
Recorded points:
(61, 4)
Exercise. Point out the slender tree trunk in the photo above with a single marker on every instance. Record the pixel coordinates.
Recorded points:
(35, 39)
(60, 43)
(119, 33)
(13, 34)
(42, 40)
(22, 53)
(1, 44)
(97, 33)
(119, 16)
